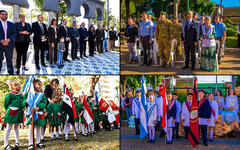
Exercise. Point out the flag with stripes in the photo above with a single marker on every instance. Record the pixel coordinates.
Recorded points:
(143, 112)
(193, 130)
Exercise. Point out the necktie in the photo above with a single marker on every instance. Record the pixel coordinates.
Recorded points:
(5, 29)
(41, 26)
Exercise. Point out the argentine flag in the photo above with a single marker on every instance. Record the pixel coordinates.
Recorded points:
(143, 112)
(32, 100)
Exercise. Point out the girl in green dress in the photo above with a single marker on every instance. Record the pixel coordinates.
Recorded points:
(54, 115)
(208, 61)
(13, 104)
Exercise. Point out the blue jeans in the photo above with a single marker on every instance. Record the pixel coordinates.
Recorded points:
(129, 112)
(105, 45)
(60, 58)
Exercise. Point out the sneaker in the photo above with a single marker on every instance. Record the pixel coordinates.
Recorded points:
(67, 139)
(44, 140)
(30, 147)
(40, 145)
(75, 138)
(8, 147)
(16, 147)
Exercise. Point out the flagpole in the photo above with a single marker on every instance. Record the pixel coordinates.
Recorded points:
(75, 131)
(33, 131)
(165, 139)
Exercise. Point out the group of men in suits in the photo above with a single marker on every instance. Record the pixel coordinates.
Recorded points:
(77, 36)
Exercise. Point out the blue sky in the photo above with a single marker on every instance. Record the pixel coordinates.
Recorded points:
(228, 3)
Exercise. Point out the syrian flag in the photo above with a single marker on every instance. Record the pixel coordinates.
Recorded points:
(103, 105)
(68, 106)
(88, 117)
(164, 107)
(143, 112)
(193, 130)
(32, 100)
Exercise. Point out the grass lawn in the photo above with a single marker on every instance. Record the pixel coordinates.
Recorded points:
(103, 140)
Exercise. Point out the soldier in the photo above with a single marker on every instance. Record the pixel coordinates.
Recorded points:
(175, 38)
(163, 38)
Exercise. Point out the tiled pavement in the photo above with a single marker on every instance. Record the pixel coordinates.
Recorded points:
(104, 64)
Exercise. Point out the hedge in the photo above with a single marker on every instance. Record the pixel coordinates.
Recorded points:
(231, 42)
(231, 32)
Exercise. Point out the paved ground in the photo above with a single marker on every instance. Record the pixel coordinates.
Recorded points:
(129, 142)
(105, 64)
(230, 65)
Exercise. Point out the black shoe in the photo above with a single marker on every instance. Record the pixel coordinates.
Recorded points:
(193, 68)
(44, 65)
(81, 57)
(206, 144)
(211, 140)
(149, 141)
(143, 64)
(25, 68)
(66, 60)
(67, 140)
(177, 137)
(30, 147)
(153, 141)
(18, 72)
(185, 67)
(75, 138)
(77, 57)
(85, 56)
(16, 147)
(44, 140)
(8, 147)
(148, 64)
(38, 68)
(40, 145)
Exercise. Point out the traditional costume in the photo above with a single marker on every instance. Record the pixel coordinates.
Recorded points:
(151, 117)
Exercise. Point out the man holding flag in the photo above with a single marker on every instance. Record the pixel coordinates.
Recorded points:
(36, 103)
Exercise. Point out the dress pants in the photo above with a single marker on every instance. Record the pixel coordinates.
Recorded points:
(65, 54)
(21, 49)
(8, 50)
(146, 48)
(189, 48)
(39, 47)
(99, 45)
(83, 48)
(74, 49)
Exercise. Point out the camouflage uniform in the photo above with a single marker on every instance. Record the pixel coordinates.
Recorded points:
(163, 36)
(175, 33)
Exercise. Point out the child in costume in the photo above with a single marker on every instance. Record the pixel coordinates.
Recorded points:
(152, 118)
(185, 116)
(60, 96)
(178, 114)
(39, 110)
(204, 114)
(171, 116)
(81, 118)
(76, 120)
(54, 115)
(90, 104)
(214, 115)
(13, 104)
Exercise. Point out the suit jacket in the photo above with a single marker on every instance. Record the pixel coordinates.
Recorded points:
(99, 34)
(74, 34)
(62, 32)
(11, 33)
(205, 110)
(189, 35)
(83, 33)
(38, 32)
(51, 35)
(19, 28)
(91, 36)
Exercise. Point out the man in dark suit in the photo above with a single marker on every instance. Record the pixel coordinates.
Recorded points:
(64, 32)
(74, 40)
(100, 37)
(7, 36)
(39, 40)
(83, 39)
(189, 39)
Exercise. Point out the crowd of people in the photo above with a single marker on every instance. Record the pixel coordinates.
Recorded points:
(52, 113)
(53, 38)
(201, 40)
(209, 107)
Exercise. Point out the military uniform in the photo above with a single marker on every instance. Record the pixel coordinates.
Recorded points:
(54, 114)
(175, 33)
(163, 36)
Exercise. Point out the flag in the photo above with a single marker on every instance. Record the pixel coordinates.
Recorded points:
(160, 89)
(103, 105)
(68, 106)
(116, 109)
(143, 112)
(27, 85)
(32, 100)
(96, 98)
(87, 113)
(164, 107)
(193, 130)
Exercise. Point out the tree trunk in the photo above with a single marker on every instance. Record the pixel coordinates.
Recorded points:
(124, 85)
(95, 79)
(127, 3)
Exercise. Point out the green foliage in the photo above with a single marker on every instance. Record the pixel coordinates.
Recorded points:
(231, 42)
(238, 81)
(231, 32)
(182, 97)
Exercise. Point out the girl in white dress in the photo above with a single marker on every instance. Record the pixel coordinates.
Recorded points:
(219, 99)
(232, 103)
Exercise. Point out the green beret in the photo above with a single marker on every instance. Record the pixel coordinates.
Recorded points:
(163, 12)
